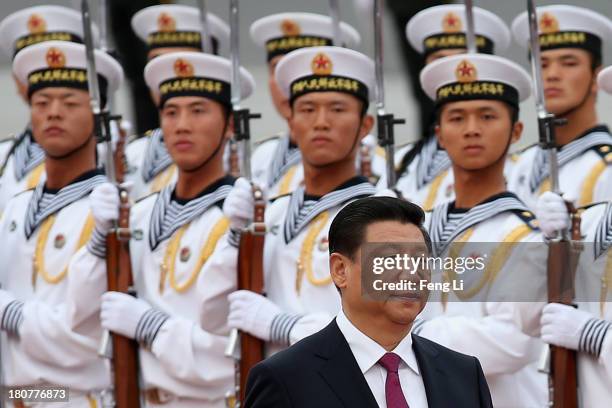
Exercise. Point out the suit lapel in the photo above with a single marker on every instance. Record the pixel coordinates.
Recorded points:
(341, 371)
(433, 373)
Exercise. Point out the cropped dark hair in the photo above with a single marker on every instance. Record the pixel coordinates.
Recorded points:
(347, 230)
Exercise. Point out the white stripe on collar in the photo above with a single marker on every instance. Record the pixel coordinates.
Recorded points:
(432, 161)
(540, 167)
(64, 197)
(27, 156)
(181, 214)
(475, 215)
(157, 158)
(603, 234)
(298, 215)
(284, 158)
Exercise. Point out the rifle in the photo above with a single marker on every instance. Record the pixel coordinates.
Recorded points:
(205, 34)
(562, 250)
(334, 12)
(118, 264)
(470, 35)
(385, 121)
(246, 349)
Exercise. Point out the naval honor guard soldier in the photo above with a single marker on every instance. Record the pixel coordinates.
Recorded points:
(477, 99)
(586, 328)
(165, 29)
(44, 342)
(276, 163)
(424, 170)
(572, 40)
(179, 316)
(329, 90)
(21, 158)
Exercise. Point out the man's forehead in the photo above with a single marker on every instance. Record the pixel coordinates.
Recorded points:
(180, 101)
(59, 92)
(393, 231)
(477, 105)
(561, 53)
(326, 98)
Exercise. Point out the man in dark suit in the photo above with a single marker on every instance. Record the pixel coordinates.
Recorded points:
(367, 356)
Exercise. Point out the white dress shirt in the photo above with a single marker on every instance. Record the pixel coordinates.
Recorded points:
(367, 353)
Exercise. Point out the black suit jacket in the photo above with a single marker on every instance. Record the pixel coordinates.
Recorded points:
(321, 371)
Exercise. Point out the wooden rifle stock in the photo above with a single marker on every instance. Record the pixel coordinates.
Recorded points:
(562, 263)
(119, 279)
(250, 277)
(121, 164)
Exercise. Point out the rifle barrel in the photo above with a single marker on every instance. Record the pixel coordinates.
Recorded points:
(470, 33)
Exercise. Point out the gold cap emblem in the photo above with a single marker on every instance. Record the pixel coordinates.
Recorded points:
(321, 64)
(548, 23)
(55, 58)
(36, 24)
(290, 28)
(451, 23)
(183, 68)
(166, 23)
(466, 72)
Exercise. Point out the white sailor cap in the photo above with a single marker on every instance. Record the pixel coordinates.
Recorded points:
(443, 27)
(475, 76)
(285, 32)
(64, 64)
(326, 69)
(564, 26)
(604, 79)
(41, 23)
(178, 26)
(195, 74)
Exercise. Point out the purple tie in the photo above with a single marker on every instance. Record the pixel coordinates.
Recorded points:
(393, 389)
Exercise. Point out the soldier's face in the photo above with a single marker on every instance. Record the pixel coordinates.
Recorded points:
(156, 52)
(476, 134)
(281, 103)
(193, 129)
(443, 53)
(327, 127)
(61, 119)
(569, 80)
(391, 307)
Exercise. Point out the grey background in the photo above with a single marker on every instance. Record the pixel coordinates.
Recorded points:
(14, 114)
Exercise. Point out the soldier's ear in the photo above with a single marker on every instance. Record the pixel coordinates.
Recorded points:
(229, 131)
(339, 269)
(517, 131)
(594, 86)
(439, 135)
(366, 125)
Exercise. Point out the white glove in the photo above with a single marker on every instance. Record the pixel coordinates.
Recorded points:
(251, 313)
(562, 325)
(551, 213)
(120, 313)
(238, 205)
(105, 206)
